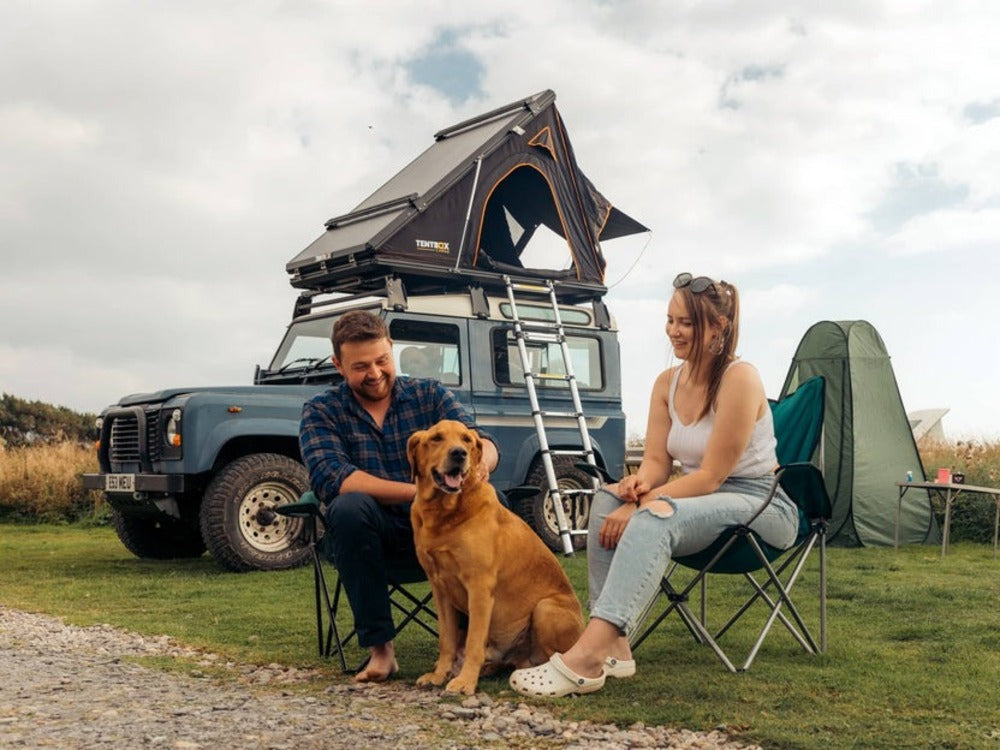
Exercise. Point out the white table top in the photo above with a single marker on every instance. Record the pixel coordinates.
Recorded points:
(950, 486)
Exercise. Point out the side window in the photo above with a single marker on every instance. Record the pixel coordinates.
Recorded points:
(426, 350)
(546, 361)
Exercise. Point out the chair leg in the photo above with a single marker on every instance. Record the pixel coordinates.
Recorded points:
(822, 589)
(412, 614)
(805, 639)
(761, 593)
(678, 601)
(334, 642)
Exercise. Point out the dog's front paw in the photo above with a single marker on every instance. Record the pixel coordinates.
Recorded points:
(462, 685)
(433, 679)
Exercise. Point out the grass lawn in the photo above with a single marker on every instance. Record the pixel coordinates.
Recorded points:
(913, 658)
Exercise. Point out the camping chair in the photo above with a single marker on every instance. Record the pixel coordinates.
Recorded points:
(798, 421)
(414, 608)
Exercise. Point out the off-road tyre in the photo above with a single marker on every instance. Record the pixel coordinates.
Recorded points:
(539, 511)
(238, 524)
(157, 538)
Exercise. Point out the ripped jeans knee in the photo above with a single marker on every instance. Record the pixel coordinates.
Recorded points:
(662, 507)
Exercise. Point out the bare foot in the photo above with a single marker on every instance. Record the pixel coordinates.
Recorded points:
(381, 664)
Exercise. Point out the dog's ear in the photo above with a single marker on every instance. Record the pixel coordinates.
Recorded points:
(411, 451)
(477, 449)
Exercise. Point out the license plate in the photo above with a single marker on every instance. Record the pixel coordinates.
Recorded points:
(119, 483)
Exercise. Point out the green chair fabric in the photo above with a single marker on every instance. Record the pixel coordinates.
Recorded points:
(412, 607)
(798, 423)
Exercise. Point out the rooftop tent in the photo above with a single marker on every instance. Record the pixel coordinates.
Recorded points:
(467, 207)
(867, 442)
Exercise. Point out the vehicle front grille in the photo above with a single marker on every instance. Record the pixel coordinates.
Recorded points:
(125, 444)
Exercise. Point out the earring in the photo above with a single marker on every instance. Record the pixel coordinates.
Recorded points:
(717, 344)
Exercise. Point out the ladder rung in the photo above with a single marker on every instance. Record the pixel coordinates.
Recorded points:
(519, 286)
(571, 493)
(540, 326)
(542, 336)
(568, 414)
(551, 376)
(569, 452)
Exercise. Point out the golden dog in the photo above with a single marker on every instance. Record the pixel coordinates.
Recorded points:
(483, 560)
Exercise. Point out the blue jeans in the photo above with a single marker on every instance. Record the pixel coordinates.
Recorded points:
(624, 580)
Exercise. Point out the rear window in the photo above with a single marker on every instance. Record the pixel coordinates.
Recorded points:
(547, 362)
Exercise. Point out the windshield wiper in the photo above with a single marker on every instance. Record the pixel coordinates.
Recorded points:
(313, 362)
(317, 361)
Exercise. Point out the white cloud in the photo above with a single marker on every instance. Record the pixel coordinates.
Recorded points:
(163, 162)
(947, 232)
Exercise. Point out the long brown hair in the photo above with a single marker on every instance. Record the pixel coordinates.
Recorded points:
(718, 303)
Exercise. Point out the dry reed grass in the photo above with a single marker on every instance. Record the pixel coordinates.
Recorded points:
(42, 483)
(979, 460)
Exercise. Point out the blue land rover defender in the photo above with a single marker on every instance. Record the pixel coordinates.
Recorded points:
(432, 251)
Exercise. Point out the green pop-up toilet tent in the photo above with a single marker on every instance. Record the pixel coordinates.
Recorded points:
(867, 443)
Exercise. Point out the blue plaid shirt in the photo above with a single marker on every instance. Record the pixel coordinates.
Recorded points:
(338, 437)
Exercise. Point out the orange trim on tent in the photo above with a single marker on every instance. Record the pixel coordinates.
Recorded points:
(600, 229)
(543, 139)
(562, 219)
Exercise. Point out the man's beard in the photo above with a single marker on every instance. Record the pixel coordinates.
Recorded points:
(374, 391)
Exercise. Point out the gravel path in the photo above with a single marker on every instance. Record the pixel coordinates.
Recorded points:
(63, 686)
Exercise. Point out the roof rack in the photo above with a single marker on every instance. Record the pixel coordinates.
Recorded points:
(396, 292)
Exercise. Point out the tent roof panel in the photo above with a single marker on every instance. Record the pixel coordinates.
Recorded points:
(345, 238)
(425, 172)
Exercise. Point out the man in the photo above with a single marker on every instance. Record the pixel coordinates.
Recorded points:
(353, 442)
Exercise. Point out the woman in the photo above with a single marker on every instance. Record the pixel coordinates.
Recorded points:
(710, 414)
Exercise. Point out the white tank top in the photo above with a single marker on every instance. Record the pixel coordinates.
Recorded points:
(687, 443)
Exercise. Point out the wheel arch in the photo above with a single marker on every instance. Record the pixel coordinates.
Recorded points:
(245, 445)
(530, 453)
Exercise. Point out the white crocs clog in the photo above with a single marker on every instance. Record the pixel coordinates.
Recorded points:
(553, 679)
(619, 667)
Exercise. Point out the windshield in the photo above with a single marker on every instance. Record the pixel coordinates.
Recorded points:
(306, 344)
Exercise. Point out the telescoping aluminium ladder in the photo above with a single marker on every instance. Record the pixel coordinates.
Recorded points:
(551, 332)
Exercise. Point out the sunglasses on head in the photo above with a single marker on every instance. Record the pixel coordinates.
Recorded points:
(698, 284)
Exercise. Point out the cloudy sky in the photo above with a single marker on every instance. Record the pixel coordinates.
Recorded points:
(161, 162)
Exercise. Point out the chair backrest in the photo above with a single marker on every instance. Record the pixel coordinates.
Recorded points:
(798, 422)
(798, 428)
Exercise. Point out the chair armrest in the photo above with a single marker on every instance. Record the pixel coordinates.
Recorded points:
(306, 507)
(805, 485)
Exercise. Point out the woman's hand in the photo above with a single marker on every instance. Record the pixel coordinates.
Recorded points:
(614, 525)
(629, 488)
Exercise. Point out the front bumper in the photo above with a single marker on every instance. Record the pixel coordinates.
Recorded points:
(171, 484)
